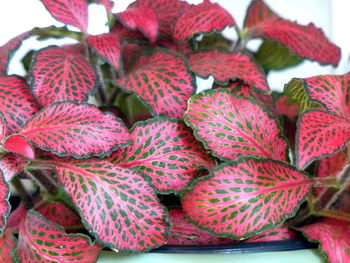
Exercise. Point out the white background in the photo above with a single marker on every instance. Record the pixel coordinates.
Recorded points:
(17, 16)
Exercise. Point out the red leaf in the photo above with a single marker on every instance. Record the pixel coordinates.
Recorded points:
(7, 247)
(16, 103)
(166, 151)
(66, 128)
(116, 204)
(43, 241)
(184, 233)
(125, 34)
(333, 165)
(320, 134)
(60, 214)
(19, 144)
(72, 12)
(11, 165)
(202, 18)
(134, 18)
(108, 46)
(15, 218)
(246, 197)
(5, 206)
(284, 107)
(163, 81)
(278, 234)
(9, 48)
(331, 91)
(228, 66)
(258, 12)
(58, 75)
(334, 238)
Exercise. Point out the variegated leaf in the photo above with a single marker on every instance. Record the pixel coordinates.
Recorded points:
(5, 206)
(60, 214)
(228, 66)
(205, 17)
(108, 46)
(233, 126)
(333, 165)
(20, 145)
(16, 103)
(8, 244)
(280, 233)
(246, 197)
(11, 165)
(184, 233)
(41, 240)
(163, 81)
(333, 236)
(166, 151)
(72, 12)
(258, 12)
(320, 134)
(82, 130)
(58, 75)
(116, 204)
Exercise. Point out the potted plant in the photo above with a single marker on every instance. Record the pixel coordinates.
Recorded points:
(148, 162)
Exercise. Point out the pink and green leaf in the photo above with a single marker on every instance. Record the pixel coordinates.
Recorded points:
(5, 206)
(134, 18)
(16, 103)
(280, 233)
(228, 66)
(232, 126)
(108, 46)
(41, 240)
(331, 91)
(258, 12)
(333, 236)
(320, 134)
(116, 204)
(204, 18)
(246, 197)
(184, 233)
(163, 81)
(57, 75)
(8, 244)
(166, 151)
(72, 12)
(20, 145)
(12, 164)
(82, 130)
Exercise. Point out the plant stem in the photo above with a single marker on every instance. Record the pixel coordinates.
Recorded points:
(333, 214)
(58, 32)
(101, 88)
(45, 180)
(23, 193)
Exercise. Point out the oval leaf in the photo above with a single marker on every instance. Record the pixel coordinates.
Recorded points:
(258, 12)
(16, 103)
(72, 12)
(166, 151)
(334, 238)
(108, 46)
(60, 214)
(58, 75)
(245, 197)
(320, 134)
(184, 233)
(5, 206)
(19, 144)
(202, 18)
(11, 165)
(231, 126)
(134, 18)
(41, 240)
(81, 130)
(116, 204)
(331, 91)
(163, 81)
(7, 247)
(228, 66)
(280, 233)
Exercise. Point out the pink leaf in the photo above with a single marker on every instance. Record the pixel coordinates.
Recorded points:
(334, 238)
(60, 214)
(43, 241)
(233, 126)
(184, 233)
(163, 81)
(320, 134)
(2, 127)
(20, 145)
(284, 107)
(58, 75)
(116, 204)
(166, 151)
(16, 103)
(108, 46)
(258, 12)
(9, 48)
(15, 218)
(125, 34)
(7, 247)
(278, 234)
(134, 18)
(5, 206)
(246, 197)
(228, 66)
(81, 130)
(333, 165)
(202, 18)
(11, 165)
(72, 12)
(331, 91)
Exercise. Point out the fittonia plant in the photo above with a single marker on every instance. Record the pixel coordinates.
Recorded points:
(225, 156)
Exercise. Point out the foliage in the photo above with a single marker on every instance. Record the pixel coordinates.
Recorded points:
(111, 127)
